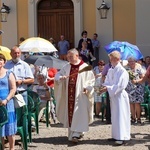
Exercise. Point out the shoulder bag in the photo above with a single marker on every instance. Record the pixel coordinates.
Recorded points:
(19, 101)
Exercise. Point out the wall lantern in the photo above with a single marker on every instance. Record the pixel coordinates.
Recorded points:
(4, 13)
(103, 9)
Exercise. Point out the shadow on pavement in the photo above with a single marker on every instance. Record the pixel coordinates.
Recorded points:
(60, 140)
(63, 140)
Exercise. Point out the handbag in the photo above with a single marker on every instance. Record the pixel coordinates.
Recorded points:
(19, 101)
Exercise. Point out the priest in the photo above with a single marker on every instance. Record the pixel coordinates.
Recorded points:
(74, 96)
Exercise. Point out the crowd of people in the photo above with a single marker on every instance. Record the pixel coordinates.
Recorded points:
(77, 88)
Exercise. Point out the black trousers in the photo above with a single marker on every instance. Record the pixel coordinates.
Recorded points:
(108, 111)
(96, 55)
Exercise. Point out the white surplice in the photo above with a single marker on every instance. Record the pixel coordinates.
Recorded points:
(116, 81)
(83, 108)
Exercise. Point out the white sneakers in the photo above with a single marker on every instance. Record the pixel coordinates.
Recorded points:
(119, 142)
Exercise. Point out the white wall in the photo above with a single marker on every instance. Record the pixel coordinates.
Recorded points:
(9, 37)
(143, 26)
(104, 28)
(78, 20)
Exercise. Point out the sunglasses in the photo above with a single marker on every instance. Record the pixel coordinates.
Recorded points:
(101, 64)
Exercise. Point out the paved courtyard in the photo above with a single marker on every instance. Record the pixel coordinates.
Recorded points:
(54, 138)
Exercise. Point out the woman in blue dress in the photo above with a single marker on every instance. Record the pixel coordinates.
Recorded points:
(7, 91)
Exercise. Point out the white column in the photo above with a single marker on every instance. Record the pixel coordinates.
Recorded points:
(10, 37)
(143, 26)
(32, 17)
(78, 20)
(104, 28)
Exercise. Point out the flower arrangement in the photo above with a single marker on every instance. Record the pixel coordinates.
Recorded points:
(97, 89)
(131, 75)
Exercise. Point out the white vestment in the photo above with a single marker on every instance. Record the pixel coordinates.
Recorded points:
(116, 81)
(83, 107)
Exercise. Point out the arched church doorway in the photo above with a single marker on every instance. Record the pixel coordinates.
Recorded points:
(55, 18)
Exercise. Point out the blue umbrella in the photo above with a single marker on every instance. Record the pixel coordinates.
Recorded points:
(126, 50)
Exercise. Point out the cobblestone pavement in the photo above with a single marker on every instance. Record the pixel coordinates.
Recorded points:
(55, 138)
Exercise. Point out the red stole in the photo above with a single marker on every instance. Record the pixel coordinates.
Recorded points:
(71, 90)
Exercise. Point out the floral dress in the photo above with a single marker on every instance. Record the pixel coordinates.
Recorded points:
(135, 91)
(10, 128)
(98, 82)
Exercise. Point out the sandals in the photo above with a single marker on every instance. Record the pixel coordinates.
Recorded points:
(133, 120)
(140, 121)
(75, 139)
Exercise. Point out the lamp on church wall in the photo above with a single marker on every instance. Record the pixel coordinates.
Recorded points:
(103, 10)
(4, 13)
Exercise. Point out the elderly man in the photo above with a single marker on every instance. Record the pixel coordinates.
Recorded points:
(115, 83)
(74, 96)
(21, 70)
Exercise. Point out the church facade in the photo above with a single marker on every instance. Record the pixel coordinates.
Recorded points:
(127, 20)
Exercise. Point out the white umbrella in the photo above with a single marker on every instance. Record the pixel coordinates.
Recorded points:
(36, 44)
